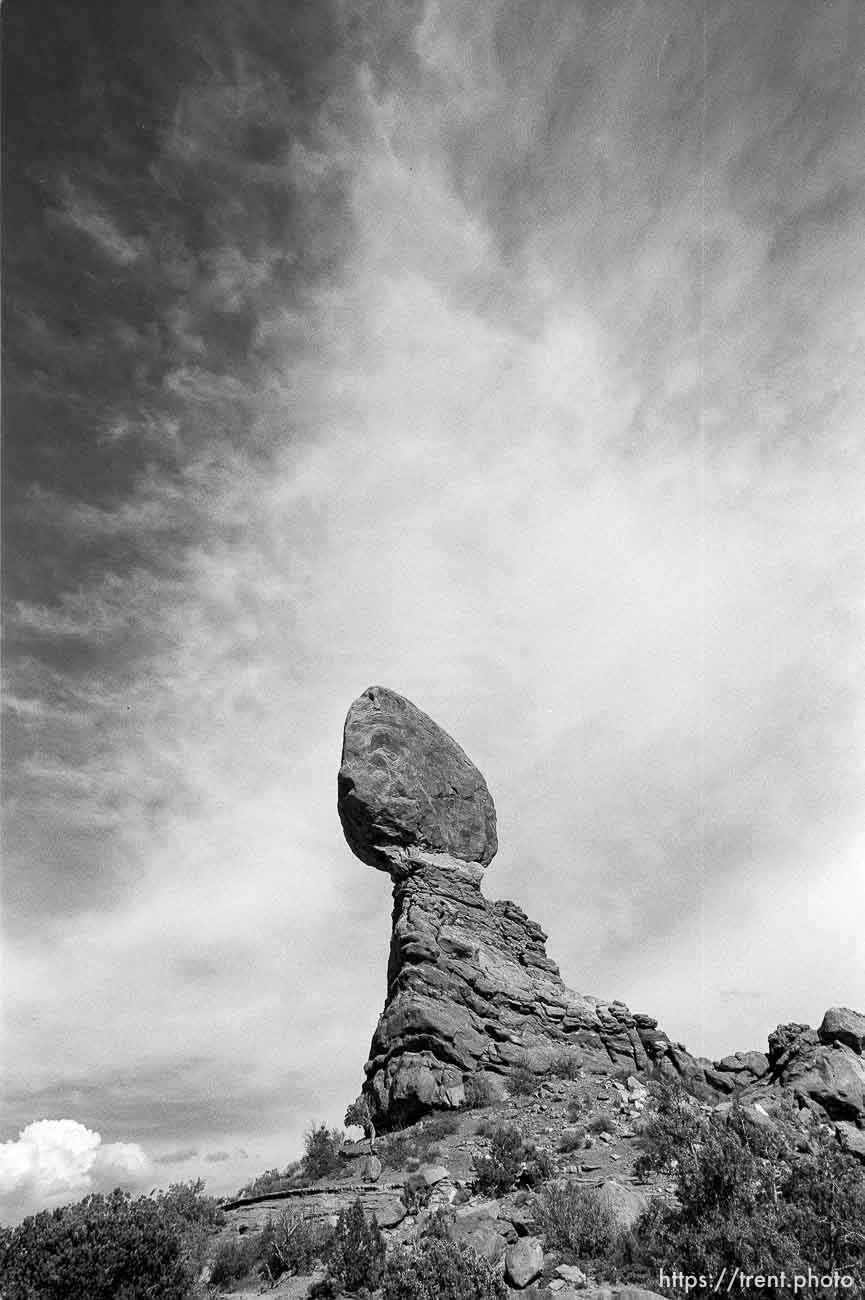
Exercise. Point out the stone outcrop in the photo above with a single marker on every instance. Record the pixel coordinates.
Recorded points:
(817, 1069)
(472, 995)
(841, 1025)
(470, 989)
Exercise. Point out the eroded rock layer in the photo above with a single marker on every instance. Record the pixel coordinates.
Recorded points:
(472, 991)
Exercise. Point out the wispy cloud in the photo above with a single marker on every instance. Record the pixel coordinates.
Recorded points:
(87, 216)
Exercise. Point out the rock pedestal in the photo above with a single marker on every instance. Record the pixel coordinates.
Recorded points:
(472, 995)
(470, 988)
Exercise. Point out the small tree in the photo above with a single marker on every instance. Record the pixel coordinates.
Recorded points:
(359, 1115)
(356, 1255)
(321, 1151)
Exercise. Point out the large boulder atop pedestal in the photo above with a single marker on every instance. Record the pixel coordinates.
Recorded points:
(404, 783)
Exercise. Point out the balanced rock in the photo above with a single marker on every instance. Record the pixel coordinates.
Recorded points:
(470, 988)
(471, 993)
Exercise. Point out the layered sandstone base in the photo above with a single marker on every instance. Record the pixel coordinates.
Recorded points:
(472, 991)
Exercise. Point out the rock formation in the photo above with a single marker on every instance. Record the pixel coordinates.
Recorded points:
(472, 995)
(470, 988)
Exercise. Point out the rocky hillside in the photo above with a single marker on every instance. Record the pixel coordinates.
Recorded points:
(586, 1129)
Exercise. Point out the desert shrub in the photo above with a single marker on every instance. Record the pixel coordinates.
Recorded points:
(235, 1258)
(396, 1149)
(522, 1082)
(321, 1151)
(292, 1244)
(566, 1066)
(745, 1198)
(420, 1142)
(538, 1167)
(356, 1255)
(497, 1173)
(101, 1248)
(602, 1123)
(576, 1110)
(186, 1205)
(574, 1140)
(443, 1125)
(480, 1091)
(576, 1218)
(671, 1126)
(439, 1269)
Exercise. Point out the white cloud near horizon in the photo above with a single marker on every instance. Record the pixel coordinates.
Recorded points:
(485, 462)
(54, 1161)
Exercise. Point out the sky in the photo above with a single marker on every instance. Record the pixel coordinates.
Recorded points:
(505, 355)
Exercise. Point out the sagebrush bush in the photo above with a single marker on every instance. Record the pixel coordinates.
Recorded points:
(396, 1149)
(497, 1173)
(576, 1218)
(420, 1142)
(573, 1140)
(522, 1081)
(356, 1255)
(538, 1166)
(235, 1258)
(602, 1123)
(292, 1244)
(480, 1091)
(566, 1066)
(321, 1151)
(101, 1248)
(442, 1125)
(670, 1125)
(577, 1109)
(437, 1268)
